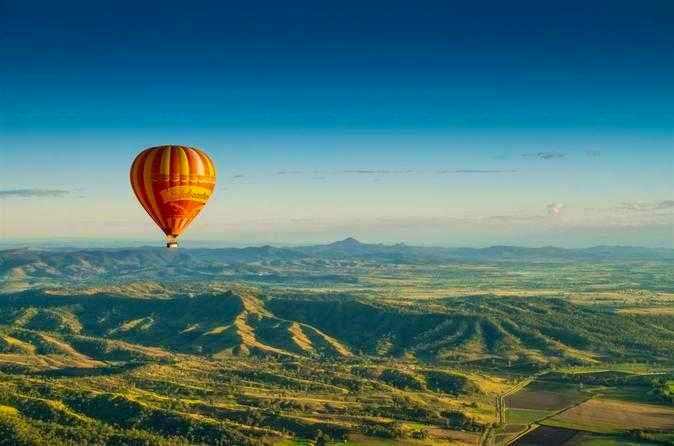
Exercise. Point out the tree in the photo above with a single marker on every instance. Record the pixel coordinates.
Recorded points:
(320, 438)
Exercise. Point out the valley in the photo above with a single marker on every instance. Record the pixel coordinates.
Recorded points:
(347, 342)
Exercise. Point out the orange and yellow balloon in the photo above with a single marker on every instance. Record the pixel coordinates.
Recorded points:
(172, 183)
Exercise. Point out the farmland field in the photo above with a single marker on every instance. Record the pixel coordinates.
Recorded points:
(526, 416)
(590, 439)
(547, 435)
(545, 396)
(590, 406)
(606, 415)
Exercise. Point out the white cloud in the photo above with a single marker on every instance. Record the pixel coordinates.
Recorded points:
(32, 193)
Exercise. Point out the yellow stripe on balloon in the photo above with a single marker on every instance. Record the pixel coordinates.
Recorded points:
(184, 162)
(180, 224)
(147, 178)
(186, 221)
(165, 168)
(209, 164)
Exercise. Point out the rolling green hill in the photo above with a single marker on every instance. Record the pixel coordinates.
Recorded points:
(244, 321)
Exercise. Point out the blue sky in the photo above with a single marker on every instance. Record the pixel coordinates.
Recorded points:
(452, 123)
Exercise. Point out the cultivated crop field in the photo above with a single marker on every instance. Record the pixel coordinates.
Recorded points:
(608, 415)
(545, 396)
(589, 407)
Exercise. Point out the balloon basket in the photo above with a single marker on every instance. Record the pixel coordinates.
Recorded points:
(171, 242)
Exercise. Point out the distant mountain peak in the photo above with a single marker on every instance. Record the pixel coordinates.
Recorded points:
(347, 242)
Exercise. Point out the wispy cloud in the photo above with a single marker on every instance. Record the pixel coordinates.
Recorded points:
(322, 174)
(372, 171)
(32, 193)
(646, 205)
(593, 153)
(509, 218)
(237, 177)
(545, 155)
(449, 171)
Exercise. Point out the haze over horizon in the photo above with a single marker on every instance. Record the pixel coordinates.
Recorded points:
(451, 125)
(130, 244)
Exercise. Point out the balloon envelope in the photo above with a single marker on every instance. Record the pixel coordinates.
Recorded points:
(172, 183)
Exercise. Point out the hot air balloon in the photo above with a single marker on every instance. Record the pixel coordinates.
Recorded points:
(172, 183)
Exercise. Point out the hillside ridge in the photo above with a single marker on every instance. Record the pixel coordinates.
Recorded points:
(243, 321)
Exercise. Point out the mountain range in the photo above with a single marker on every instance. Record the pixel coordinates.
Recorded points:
(240, 320)
(24, 268)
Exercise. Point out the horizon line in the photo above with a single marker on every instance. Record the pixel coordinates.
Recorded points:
(72, 243)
